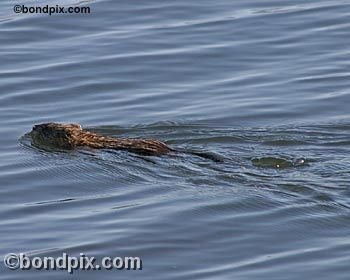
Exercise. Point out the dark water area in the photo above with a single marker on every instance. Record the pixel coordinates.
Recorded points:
(263, 84)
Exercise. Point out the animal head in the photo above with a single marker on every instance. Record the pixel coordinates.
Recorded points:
(54, 135)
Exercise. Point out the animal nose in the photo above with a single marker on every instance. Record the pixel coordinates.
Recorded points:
(35, 127)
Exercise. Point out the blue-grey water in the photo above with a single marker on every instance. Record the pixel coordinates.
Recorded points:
(264, 84)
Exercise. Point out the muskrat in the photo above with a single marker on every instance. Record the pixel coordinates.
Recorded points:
(70, 136)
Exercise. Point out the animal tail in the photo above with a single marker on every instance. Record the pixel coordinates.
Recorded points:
(207, 155)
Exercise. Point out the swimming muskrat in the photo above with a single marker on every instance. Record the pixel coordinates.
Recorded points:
(70, 136)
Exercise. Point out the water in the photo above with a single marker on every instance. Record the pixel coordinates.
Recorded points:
(264, 84)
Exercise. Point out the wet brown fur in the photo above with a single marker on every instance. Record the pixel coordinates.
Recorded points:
(69, 136)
